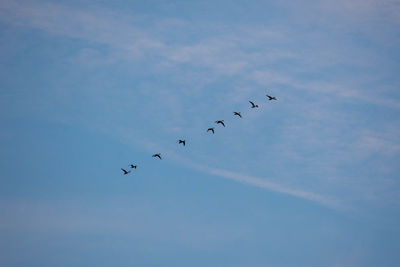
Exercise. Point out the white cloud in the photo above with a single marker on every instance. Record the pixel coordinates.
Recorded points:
(102, 26)
(385, 142)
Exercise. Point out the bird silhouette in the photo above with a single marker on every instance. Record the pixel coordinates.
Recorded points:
(237, 114)
(220, 122)
(125, 171)
(253, 105)
(183, 142)
(158, 155)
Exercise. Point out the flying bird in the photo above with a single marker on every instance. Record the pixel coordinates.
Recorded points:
(158, 155)
(220, 122)
(253, 105)
(133, 166)
(125, 171)
(237, 114)
(271, 97)
(211, 129)
(183, 142)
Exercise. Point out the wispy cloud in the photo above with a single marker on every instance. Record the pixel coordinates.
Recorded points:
(265, 184)
(259, 182)
(344, 89)
(99, 25)
(243, 52)
(384, 142)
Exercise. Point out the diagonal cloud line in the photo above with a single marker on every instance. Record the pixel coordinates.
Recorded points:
(244, 178)
(263, 183)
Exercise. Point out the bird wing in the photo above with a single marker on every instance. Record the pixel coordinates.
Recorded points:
(252, 103)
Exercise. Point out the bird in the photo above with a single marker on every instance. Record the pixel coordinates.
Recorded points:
(157, 155)
(211, 129)
(125, 171)
(271, 97)
(133, 166)
(253, 105)
(220, 122)
(183, 142)
(237, 114)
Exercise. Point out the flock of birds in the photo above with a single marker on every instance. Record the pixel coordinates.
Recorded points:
(211, 129)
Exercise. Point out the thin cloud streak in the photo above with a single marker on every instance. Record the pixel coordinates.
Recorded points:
(263, 183)
(259, 182)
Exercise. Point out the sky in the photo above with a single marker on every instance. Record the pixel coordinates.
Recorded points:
(90, 87)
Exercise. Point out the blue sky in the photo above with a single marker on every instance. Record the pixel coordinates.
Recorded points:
(89, 87)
